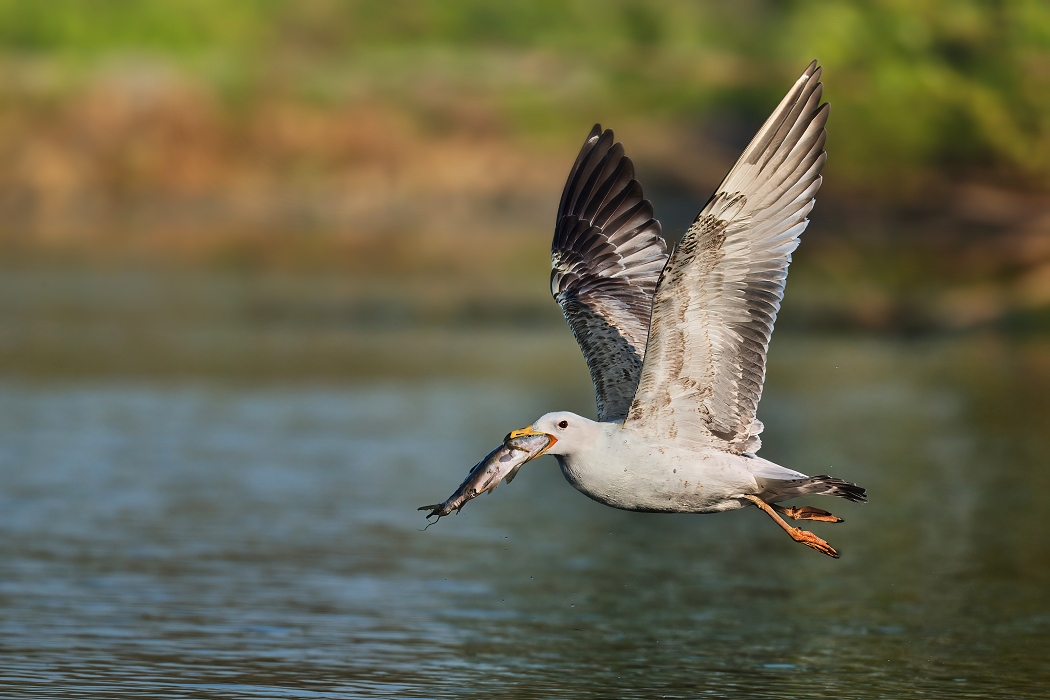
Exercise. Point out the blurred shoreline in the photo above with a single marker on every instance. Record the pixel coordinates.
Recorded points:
(151, 174)
(397, 166)
(161, 325)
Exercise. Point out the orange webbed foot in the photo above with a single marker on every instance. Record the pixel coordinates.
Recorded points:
(798, 534)
(810, 540)
(808, 513)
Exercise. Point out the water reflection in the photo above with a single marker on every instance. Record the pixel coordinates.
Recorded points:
(225, 541)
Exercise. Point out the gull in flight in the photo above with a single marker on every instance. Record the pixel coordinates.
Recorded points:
(676, 345)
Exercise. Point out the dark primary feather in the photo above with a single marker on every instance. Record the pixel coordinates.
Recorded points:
(719, 295)
(606, 258)
(778, 490)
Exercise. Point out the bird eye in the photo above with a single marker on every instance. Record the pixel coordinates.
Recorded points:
(563, 424)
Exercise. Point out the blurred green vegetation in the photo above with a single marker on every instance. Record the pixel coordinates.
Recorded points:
(391, 140)
(921, 89)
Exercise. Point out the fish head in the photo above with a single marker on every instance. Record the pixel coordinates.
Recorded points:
(530, 442)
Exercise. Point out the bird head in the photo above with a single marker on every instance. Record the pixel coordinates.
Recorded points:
(565, 432)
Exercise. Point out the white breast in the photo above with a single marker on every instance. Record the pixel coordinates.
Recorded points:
(625, 470)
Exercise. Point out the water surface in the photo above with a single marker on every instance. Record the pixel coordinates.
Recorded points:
(213, 539)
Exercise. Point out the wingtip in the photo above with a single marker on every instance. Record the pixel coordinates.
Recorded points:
(812, 73)
(599, 136)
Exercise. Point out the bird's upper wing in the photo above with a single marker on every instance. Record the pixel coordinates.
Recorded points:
(719, 294)
(606, 258)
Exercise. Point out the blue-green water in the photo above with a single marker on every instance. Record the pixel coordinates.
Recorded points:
(200, 538)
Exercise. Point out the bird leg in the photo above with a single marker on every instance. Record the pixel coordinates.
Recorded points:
(807, 513)
(797, 534)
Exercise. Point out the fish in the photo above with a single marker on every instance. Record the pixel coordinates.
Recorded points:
(501, 464)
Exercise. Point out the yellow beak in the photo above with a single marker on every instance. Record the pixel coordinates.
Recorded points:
(528, 431)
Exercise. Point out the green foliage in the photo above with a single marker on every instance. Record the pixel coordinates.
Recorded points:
(919, 87)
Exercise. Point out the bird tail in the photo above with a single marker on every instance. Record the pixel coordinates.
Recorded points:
(775, 490)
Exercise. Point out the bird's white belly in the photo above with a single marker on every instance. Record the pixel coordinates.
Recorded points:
(634, 475)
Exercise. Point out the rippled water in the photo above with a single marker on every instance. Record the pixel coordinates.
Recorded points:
(216, 540)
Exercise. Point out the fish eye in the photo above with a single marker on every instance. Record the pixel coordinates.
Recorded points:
(563, 424)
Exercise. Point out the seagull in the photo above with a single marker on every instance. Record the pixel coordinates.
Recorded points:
(676, 344)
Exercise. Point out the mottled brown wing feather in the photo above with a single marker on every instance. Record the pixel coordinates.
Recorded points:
(719, 295)
(606, 258)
